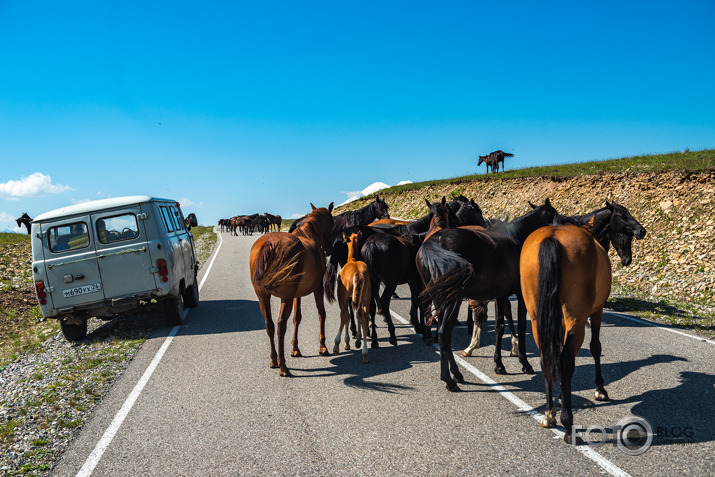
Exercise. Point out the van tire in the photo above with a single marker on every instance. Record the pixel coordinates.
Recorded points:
(191, 296)
(173, 309)
(74, 332)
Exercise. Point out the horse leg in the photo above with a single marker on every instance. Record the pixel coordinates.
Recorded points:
(478, 319)
(286, 308)
(549, 419)
(567, 365)
(297, 318)
(601, 394)
(498, 335)
(320, 304)
(344, 317)
(521, 327)
(353, 328)
(506, 306)
(447, 361)
(363, 324)
(264, 301)
(385, 307)
(415, 289)
(373, 312)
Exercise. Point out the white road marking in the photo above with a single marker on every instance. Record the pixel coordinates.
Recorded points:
(103, 444)
(604, 463)
(657, 325)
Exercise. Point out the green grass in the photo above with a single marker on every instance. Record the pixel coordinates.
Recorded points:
(689, 161)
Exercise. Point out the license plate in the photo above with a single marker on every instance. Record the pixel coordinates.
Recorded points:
(83, 290)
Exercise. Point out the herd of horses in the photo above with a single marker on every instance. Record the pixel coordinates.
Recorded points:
(557, 267)
(247, 224)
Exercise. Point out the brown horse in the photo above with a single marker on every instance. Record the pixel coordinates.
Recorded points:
(565, 279)
(354, 289)
(290, 266)
(493, 159)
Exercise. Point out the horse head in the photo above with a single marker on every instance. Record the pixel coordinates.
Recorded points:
(623, 222)
(323, 220)
(622, 243)
(482, 159)
(379, 209)
(471, 214)
(439, 213)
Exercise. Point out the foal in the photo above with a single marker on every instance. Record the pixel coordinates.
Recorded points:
(354, 288)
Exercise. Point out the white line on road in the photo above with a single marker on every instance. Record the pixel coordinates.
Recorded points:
(604, 463)
(657, 325)
(116, 423)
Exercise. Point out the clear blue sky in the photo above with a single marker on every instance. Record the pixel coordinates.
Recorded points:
(243, 107)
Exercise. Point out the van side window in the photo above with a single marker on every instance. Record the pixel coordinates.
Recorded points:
(68, 237)
(167, 218)
(178, 219)
(117, 228)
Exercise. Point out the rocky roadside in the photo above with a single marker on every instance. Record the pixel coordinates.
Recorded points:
(47, 393)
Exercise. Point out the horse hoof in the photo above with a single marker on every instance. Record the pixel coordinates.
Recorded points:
(274, 364)
(285, 373)
(324, 352)
(453, 388)
(499, 369)
(296, 353)
(365, 359)
(602, 396)
(393, 341)
(358, 344)
(336, 350)
(459, 378)
(571, 439)
(374, 344)
(528, 369)
(466, 355)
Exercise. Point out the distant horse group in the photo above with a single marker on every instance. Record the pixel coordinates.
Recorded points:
(493, 159)
(557, 267)
(247, 224)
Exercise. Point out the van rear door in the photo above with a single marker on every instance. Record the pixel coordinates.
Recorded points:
(71, 263)
(124, 260)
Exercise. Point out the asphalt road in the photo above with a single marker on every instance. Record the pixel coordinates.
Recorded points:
(211, 405)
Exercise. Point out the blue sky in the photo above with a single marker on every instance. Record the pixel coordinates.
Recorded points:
(242, 107)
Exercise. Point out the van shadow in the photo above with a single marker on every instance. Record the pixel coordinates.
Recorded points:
(210, 317)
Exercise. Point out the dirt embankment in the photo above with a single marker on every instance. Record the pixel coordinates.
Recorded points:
(673, 269)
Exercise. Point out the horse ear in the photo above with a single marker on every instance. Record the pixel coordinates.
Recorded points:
(428, 204)
(532, 205)
(330, 207)
(548, 202)
(444, 201)
(610, 206)
(312, 206)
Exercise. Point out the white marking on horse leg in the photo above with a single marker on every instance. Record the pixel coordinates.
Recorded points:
(549, 419)
(336, 348)
(476, 338)
(514, 346)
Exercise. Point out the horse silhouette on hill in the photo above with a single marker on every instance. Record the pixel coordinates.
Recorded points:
(493, 159)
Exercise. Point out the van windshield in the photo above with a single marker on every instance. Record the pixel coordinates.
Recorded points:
(68, 237)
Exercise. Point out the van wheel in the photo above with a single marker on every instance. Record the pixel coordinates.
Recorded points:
(173, 309)
(74, 332)
(191, 296)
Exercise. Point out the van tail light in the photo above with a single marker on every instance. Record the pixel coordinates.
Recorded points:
(163, 270)
(40, 290)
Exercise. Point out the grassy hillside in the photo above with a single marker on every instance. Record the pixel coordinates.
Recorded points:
(672, 278)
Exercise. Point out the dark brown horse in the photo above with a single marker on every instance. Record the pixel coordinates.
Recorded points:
(493, 159)
(274, 220)
(24, 220)
(458, 263)
(290, 266)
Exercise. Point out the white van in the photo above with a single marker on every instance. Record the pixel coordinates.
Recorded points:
(106, 257)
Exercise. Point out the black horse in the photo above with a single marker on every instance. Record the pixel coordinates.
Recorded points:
(24, 220)
(458, 263)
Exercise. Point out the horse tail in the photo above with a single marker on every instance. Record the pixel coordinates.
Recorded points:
(358, 285)
(329, 278)
(274, 267)
(549, 315)
(444, 273)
